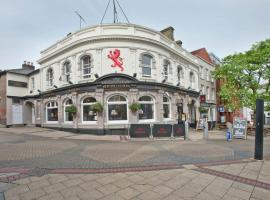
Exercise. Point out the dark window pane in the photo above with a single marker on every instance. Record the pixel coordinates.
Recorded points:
(166, 109)
(117, 112)
(89, 100)
(146, 71)
(52, 114)
(89, 114)
(147, 111)
(117, 98)
(147, 60)
(146, 98)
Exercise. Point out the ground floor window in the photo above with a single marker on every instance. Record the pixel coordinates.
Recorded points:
(117, 108)
(89, 115)
(147, 108)
(68, 116)
(52, 112)
(166, 108)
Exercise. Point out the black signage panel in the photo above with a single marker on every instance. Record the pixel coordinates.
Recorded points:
(239, 128)
(162, 130)
(139, 130)
(179, 130)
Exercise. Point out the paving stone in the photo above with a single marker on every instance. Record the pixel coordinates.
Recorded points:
(128, 193)
(108, 189)
(57, 178)
(91, 194)
(177, 183)
(149, 195)
(186, 193)
(136, 178)
(52, 196)
(106, 180)
(73, 182)
(243, 186)
(162, 190)
(71, 191)
(241, 194)
(54, 188)
(38, 184)
(90, 185)
(123, 183)
(89, 177)
(142, 187)
(23, 181)
(16, 191)
(32, 195)
(261, 194)
(207, 196)
(172, 197)
(114, 196)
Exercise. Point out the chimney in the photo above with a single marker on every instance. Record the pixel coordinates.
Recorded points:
(28, 65)
(179, 43)
(168, 32)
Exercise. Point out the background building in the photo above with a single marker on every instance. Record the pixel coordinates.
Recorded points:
(115, 65)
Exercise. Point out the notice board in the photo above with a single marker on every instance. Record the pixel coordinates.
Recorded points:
(240, 128)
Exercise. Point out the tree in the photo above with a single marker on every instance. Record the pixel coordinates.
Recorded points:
(245, 77)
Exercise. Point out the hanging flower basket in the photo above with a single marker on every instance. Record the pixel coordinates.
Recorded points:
(98, 107)
(71, 109)
(203, 110)
(134, 107)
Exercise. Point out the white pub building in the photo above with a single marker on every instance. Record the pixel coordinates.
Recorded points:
(110, 76)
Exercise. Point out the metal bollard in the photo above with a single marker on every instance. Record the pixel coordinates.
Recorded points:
(205, 130)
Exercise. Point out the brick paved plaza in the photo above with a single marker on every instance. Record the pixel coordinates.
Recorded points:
(43, 164)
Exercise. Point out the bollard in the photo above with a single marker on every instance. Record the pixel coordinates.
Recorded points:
(205, 130)
(259, 130)
(186, 131)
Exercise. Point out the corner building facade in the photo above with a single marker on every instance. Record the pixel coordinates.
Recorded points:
(116, 65)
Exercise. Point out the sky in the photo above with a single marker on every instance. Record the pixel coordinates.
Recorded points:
(223, 27)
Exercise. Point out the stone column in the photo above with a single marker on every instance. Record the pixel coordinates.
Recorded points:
(133, 98)
(159, 106)
(74, 98)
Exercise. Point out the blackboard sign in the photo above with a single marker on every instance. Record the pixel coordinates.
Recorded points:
(139, 130)
(239, 128)
(179, 130)
(162, 130)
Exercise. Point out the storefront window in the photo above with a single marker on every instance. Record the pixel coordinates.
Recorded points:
(147, 108)
(68, 117)
(117, 108)
(52, 111)
(166, 108)
(89, 115)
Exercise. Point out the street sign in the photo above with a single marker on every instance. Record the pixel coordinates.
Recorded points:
(239, 128)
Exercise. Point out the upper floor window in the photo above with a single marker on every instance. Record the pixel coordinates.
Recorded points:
(180, 73)
(49, 77)
(207, 74)
(67, 71)
(166, 67)
(207, 93)
(32, 83)
(201, 72)
(191, 80)
(86, 66)
(213, 94)
(147, 63)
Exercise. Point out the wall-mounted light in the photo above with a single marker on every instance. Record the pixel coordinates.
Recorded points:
(39, 91)
(70, 82)
(31, 91)
(96, 75)
(55, 86)
(178, 84)
(164, 80)
(135, 75)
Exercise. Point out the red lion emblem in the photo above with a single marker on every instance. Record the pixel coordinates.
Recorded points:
(117, 60)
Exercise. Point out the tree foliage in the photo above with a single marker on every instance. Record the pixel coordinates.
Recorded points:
(245, 76)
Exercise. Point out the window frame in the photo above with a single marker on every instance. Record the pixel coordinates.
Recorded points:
(147, 66)
(65, 105)
(67, 73)
(154, 108)
(88, 104)
(86, 66)
(50, 77)
(49, 108)
(170, 107)
(117, 103)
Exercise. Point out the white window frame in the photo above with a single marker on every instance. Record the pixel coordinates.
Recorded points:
(50, 77)
(207, 93)
(154, 109)
(213, 94)
(166, 68)
(65, 106)
(51, 107)
(170, 108)
(67, 73)
(201, 73)
(87, 104)
(32, 83)
(147, 66)
(86, 66)
(117, 103)
(192, 80)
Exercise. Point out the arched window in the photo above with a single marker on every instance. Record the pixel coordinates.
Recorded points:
(66, 71)
(147, 108)
(89, 115)
(86, 66)
(166, 108)
(166, 67)
(191, 80)
(147, 64)
(180, 73)
(117, 108)
(68, 116)
(52, 111)
(49, 77)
